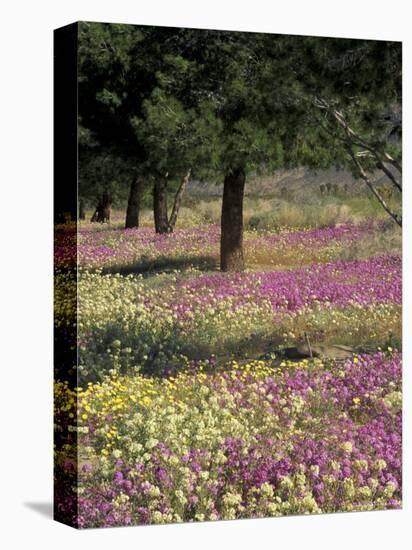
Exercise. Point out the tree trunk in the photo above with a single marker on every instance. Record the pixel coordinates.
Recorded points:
(82, 212)
(178, 201)
(94, 217)
(160, 205)
(133, 203)
(103, 209)
(231, 240)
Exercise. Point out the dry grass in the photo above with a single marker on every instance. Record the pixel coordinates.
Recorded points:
(387, 241)
(305, 210)
(295, 216)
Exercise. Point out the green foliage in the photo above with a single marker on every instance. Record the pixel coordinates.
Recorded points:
(103, 170)
(166, 99)
(176, 138)
(362, 80)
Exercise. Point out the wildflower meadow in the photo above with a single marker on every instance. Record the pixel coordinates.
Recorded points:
(228, 275)
(187, 408)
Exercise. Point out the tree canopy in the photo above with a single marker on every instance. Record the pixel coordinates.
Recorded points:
(169, 98)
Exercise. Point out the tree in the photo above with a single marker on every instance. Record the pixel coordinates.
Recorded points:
(102, 171)
(233, 70)
(268, 89)
(133, 203)
(136, 101)
(110, 86)
(164, 223)
(178, 132)
(165, 129)
(82, 212)
(366, 155)
(103, 208)
(353, 100)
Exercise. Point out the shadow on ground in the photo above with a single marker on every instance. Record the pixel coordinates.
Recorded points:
(164, 264)
(43, 508)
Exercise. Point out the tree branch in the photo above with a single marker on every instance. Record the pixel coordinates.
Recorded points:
(368, 182)
(354, 139)
(389, 174)
(178, 200)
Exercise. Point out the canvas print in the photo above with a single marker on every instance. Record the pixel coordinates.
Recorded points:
(228, 228)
